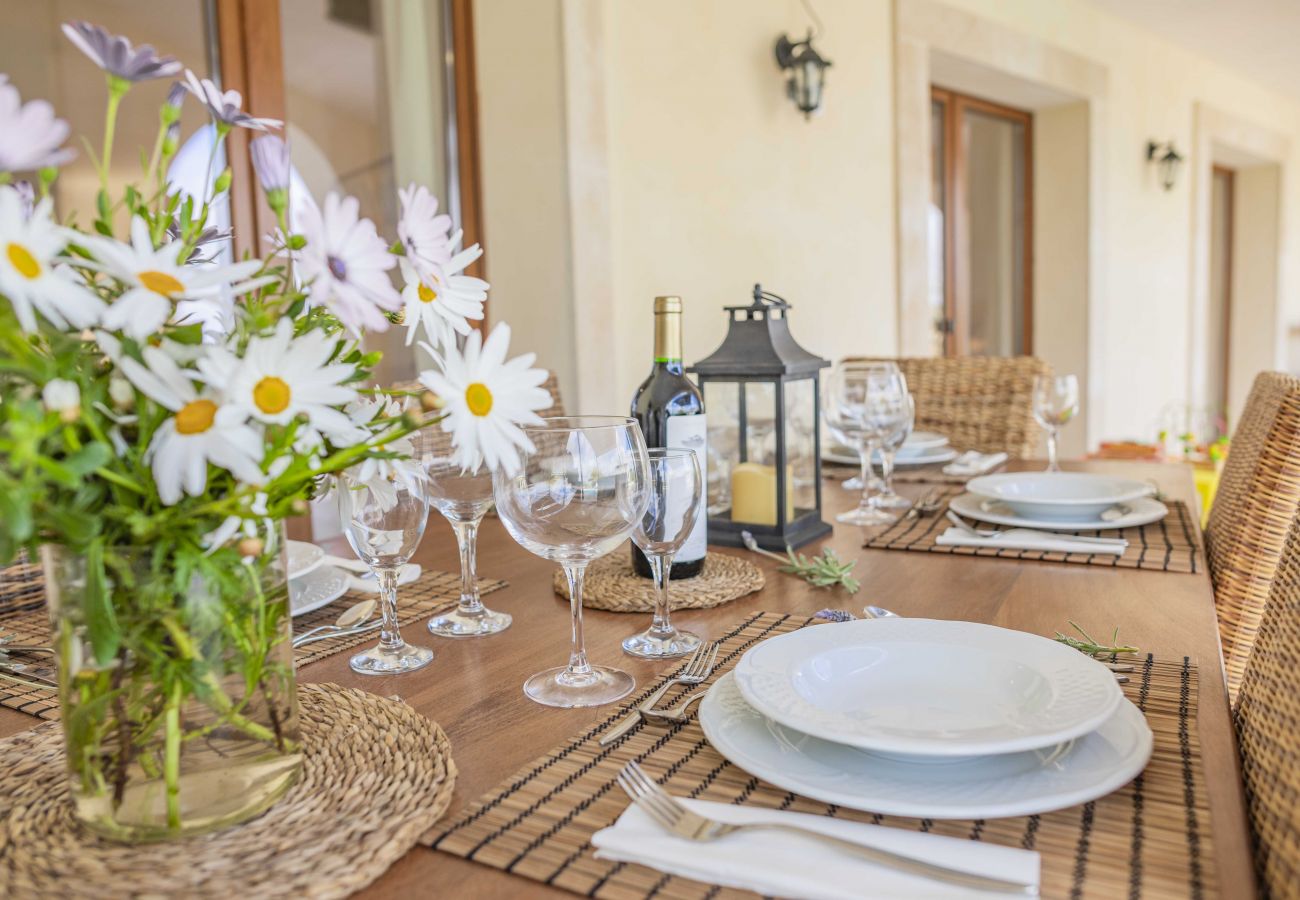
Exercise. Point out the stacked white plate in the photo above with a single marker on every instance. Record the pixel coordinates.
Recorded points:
(312, 583)
(1062, 501)
(927, 718)
(922, 448)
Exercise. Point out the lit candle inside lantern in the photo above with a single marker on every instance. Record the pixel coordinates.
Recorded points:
(753, 494)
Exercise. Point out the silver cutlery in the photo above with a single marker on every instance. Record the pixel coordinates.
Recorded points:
(929, 504)
(351, 617)
(674, 714)
(879, 612)
(988, 533)
(697, 669)
(670, 814)
(21, 675)
(25, 648)
(751, 544)
(313, 638)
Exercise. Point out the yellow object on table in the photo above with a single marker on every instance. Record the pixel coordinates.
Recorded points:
(753, 494)
(1206, 478)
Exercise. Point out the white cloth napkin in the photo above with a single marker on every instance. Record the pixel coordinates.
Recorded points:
(781, 864)
(1029, 539)
(972, 462)
(405, 575)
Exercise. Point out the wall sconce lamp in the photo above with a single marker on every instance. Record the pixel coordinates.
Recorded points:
(1167, 158)
(805, 70)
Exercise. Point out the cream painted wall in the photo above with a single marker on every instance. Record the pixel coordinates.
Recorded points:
(525, 190)
(717, 182)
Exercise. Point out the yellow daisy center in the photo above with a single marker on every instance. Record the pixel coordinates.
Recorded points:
(196, 417)
(478, 398)
(272, 395)
(427, 294)
(161, 283)
(22, 259)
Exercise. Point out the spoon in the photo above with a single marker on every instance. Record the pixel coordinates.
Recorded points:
(350, 618)
(879, 612)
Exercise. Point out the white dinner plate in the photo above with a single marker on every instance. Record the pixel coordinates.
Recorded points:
(1058, 495)
(843, 456)
(319, 587)
(922, 448)
(1015, 784)
(303, 557)
(1142, 511)
(927, 687)
(930, 457)
(920, 441)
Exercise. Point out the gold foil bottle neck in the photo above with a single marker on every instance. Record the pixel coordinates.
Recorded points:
(668, 329)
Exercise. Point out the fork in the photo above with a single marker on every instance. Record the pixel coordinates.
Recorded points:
(669, 813)
(697, 669)
(929, 504)
(991, 533)
(673, 714)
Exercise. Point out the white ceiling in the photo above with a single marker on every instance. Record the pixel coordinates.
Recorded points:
(1255, 37)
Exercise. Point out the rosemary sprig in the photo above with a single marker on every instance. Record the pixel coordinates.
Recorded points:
(1091, 646)
(823, 571)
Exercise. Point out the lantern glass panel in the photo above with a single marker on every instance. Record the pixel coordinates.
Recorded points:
(760, 422)
(800, 442)
(722, 400)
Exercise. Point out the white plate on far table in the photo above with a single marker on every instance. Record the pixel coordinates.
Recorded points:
(920, 448)
(303, 557)
(927, 687)
(319, 587)
(1058, 495)
(1015, 784)
(931, 457)
(1142, 511)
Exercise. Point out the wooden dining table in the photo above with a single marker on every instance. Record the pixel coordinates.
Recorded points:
(473, 688)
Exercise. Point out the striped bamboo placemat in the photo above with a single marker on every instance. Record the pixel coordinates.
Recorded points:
(1169, 545)
(433, 592)
(1150, 839)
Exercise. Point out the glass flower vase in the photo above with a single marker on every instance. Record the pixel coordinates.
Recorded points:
(176, 685)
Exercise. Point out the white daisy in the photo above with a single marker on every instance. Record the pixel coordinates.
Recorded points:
(383, 476)
(225, 108)
(487, 399)
(442, 303)
(282, 376)
(29, 274)
(157, 279)
(346, 263)
(115, 55)
(30, 136)
(196, 435)
(422, 231)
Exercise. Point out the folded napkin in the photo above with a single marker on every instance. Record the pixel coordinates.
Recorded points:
(782, 864)
(1029, 539)
(405, 575)
(972, 462)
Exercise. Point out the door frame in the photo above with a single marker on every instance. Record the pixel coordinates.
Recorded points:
(1229, 226)
(956, 224)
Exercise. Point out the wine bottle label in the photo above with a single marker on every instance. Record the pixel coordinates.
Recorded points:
(691, 433)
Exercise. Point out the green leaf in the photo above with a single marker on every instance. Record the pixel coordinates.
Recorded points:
(88, 459)
(101, 622)
(102, 204)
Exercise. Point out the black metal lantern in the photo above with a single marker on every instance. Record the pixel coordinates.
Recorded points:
(1168, 159)
(761, 390)
(805, 70)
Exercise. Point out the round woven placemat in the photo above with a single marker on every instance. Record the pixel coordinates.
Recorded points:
(376, 775)
(612, 585)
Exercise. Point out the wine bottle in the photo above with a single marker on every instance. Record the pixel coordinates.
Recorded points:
(670, 409)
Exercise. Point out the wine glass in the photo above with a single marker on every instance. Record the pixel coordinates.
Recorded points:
(855, 483)
(676, 491)
(1056, 402)
(463, 497)
(577, 495)
(887, 497)
(383, 520)
(867, 402)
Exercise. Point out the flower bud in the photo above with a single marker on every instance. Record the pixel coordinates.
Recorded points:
(300, 507)
(223, 182)
(429, 401)
(62, 397)
(121, 392)
(251, 546)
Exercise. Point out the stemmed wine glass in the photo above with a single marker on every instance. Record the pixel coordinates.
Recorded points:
(1056, 402)
(384, 521)
(887, 497)
(676, 493)
(867, 402)
(463, 497)
(577, 495)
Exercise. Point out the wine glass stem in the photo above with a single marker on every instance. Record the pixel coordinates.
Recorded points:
(865, 449)
(578, 664)
(661, 567)
(467, 540)
(1052, 465)
(887, 471)
(390, 633)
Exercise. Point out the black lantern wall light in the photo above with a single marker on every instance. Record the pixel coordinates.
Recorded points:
(805, 68)
(761, 391)
(1167, 158)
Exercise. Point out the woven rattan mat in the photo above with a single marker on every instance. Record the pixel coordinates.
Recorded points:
(22, 585)
(376, 776)
(1169, 545)
(612, 585)
(431, 593)
(1149, 839)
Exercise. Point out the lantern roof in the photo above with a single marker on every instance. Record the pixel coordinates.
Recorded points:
(759, 343)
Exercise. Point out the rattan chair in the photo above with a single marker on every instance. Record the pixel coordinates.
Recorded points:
(983, 403)
(1267, 717)
(1256, 504)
